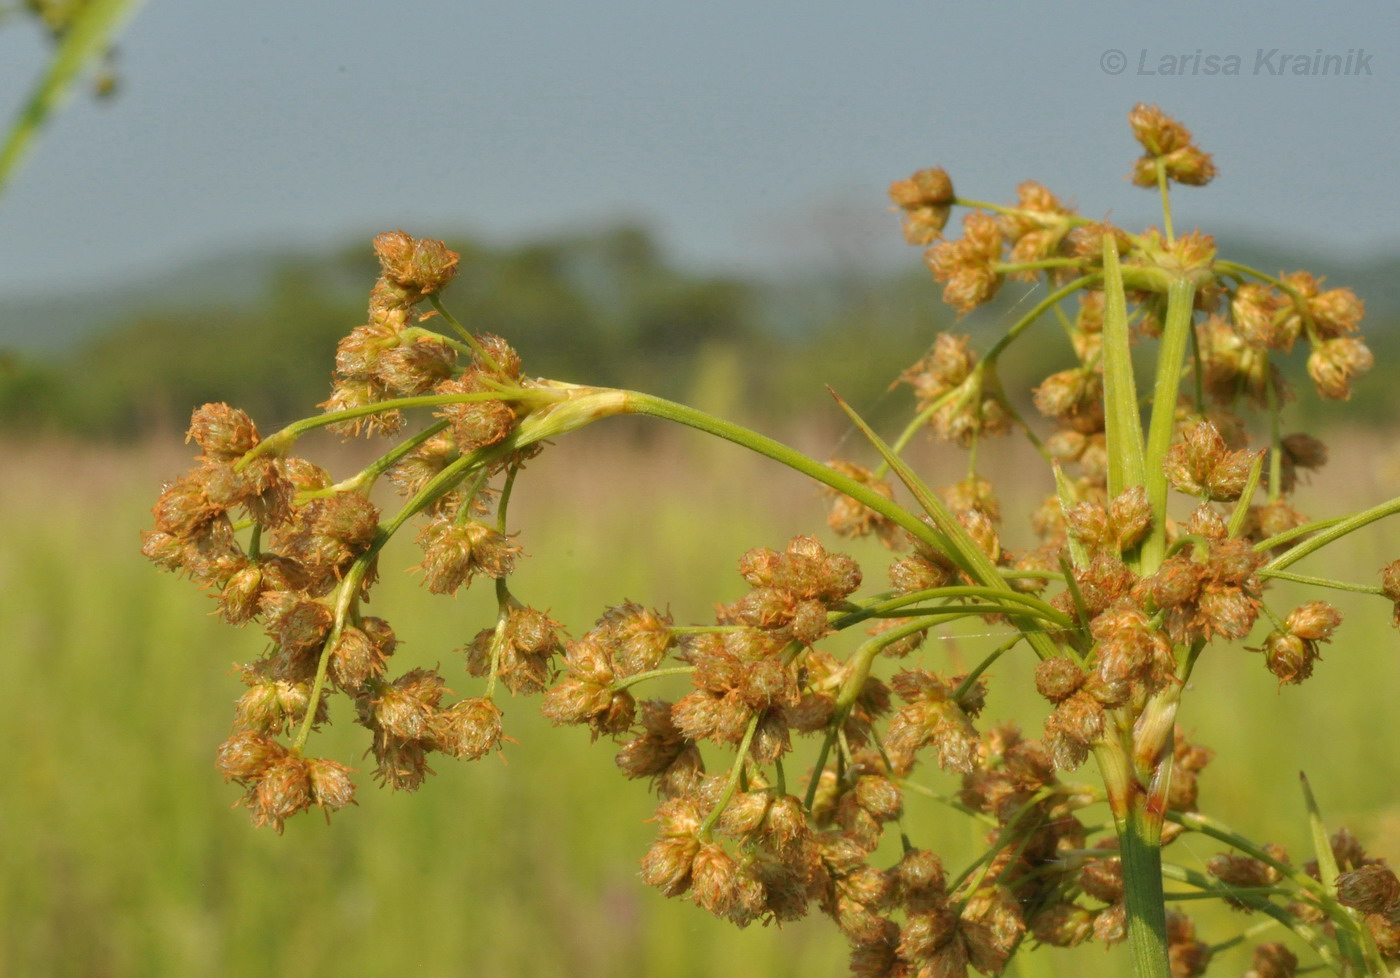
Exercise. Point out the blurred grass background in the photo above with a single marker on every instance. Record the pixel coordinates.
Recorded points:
(122, 856)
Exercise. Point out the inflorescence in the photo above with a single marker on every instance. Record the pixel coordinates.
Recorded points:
(1118, 601)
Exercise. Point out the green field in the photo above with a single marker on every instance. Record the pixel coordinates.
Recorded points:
(122, 856)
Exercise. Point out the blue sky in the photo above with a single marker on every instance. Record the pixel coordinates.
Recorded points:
(751, 135)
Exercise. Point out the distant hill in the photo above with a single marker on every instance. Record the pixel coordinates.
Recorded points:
(607, 307)
(50, 324)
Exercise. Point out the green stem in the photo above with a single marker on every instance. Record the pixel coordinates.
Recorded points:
(1241, 510)
(1166, 200)
(707, 826)
(858, 671)
(1025, 321)
(1322, 582)
(1278, 539)
(87, 36)
(280, 441)
(1140, 846)
(366, 477)
(1348, 525)
(657, 407)
(642, 677)
(1039, 607)
(346, 595)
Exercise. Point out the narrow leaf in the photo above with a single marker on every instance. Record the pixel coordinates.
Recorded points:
(1122, 420)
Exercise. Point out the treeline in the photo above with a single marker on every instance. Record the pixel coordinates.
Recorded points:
(605, 308)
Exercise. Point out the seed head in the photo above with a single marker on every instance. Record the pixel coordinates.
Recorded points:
(967, 265)
(926, 199)
(331, 787)
(272, 706)
(223, 433)
(414, 368)
(1057, 679)
(1241, 871)
(475, 424)
(1390, 584)
(1168, 142)
(1074, 397)
(405, 709)
(418, 265)
(494, 356)
(1158, 132)
(1289, 657)
(1335, 363)
(1273, 960)
(1373, 888)
(1188, 956)
(850, 518)
(238, 601)
(355, 659)
(1256, 310)
(1076, 723)
(469, 728)
(454, 552)
(283, 790)
(992, 925)
(1314, 621)
(1063, 925)
(247, 756)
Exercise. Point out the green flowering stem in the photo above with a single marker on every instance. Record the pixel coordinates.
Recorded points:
(965, 552)
(857, 672)
(1036, 311)
(1010, 832)
(1224, 893)
(640, 677)
(504, 600)
(1354, 938)
(347, 593)
(949, 801)
(1256, 471)
(736, 770)
(1069, 220)
(1279, 539)
(1327, 582)
(348, 590)
(418, 332)
(280, 442)
(1140, 848)
(635, 402)
(451, 320)
(1011, 268)
(1238, 271)
(366, 477)
(1257, 899)
(1221, 832)
(1030, 602)
(1341, 528)
(1166, 200)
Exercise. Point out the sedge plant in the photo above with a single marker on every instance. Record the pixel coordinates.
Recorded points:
(783, 764)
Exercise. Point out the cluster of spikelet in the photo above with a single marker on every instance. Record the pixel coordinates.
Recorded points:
(742, 829)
